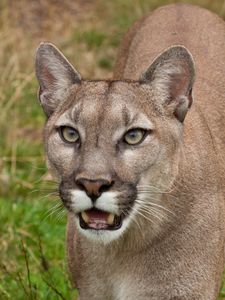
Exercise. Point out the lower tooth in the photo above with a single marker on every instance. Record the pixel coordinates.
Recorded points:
(85, 217)
(110, 219)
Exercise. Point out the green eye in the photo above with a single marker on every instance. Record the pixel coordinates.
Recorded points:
(69, 134)
(134, 136)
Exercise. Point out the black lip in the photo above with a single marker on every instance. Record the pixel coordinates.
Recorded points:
(115, 226)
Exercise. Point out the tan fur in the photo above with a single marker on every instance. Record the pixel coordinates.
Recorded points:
(177, 252)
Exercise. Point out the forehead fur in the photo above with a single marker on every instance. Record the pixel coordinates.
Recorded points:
(97, 98)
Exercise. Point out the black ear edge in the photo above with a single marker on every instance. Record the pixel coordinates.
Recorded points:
(175, 51)
(174, 56)
(55, 75)
(46, 48)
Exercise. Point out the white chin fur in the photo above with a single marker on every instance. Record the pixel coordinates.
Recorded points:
(106, 202)
(80, 201)
(103, 236)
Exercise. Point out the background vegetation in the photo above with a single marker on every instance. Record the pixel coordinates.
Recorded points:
(32, 223)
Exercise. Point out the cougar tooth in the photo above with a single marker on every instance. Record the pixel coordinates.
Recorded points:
(85, 217)
(110, 219)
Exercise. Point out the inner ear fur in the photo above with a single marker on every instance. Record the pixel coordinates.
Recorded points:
(55, 75)
(172, 75)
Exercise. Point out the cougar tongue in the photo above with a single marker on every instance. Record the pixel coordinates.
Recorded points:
(97, 219)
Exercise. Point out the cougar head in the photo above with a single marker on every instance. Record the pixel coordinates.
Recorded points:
(114, 145)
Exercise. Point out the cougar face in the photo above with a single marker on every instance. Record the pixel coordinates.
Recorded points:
(112, 143)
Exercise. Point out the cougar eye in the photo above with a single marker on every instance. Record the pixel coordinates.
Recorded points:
(134, 136)
(69, 134)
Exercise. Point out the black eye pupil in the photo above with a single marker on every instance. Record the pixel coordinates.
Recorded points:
(69, 134)
(133, 134)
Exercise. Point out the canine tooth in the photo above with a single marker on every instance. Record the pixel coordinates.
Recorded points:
(110, 219)
(85, 217)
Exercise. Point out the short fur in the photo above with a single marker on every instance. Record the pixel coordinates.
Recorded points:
(172, 185)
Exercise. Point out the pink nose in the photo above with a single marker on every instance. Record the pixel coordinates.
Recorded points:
(94, 188)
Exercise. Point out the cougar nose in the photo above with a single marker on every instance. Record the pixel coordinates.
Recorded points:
(94, 188)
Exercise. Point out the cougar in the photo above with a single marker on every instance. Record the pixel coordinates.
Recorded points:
(140, 160)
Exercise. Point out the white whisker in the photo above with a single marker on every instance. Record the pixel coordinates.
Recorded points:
(53, 210)
(151, 213)
(141, 202)
(145, 217)
(155, 210)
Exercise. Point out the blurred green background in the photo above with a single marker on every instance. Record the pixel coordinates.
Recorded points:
(32, 220)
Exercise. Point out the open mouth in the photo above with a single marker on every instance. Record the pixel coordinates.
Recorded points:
(99, 220)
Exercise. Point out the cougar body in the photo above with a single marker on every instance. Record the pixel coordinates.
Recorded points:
(172, 184)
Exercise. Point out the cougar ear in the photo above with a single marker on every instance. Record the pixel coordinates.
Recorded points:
(172, 76)
(55, 75)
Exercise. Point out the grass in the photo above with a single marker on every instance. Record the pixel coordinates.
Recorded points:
(32, 224)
